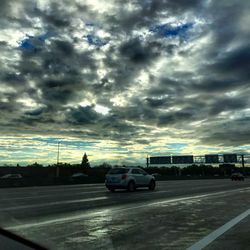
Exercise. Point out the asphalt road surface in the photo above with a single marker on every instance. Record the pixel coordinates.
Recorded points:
(190, 214)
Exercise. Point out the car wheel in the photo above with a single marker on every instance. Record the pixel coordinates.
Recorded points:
(112, 190)
(131, 186)
(151, 185)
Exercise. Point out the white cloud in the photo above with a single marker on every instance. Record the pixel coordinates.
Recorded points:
(101, 109)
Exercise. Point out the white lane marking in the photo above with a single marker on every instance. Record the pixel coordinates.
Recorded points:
(108, 211)
(183, 199)
(52, 203)
(100, 185)
(218, 232)
(76, 194)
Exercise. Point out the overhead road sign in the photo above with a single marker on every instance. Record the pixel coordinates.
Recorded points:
(185, 159)
(211, 158)
(160, 160)
(230, 158)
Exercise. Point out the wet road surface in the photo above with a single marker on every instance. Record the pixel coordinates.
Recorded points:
(174, 216)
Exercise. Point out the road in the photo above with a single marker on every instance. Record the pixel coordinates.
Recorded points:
(177, 215)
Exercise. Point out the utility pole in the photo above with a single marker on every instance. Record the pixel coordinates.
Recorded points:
(57, 165)
(147, 160)
(58, 147)
(243, 163)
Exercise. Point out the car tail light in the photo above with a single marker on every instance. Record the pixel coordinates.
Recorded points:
(124, 176)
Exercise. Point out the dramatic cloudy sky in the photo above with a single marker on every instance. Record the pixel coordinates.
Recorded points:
(122, 79)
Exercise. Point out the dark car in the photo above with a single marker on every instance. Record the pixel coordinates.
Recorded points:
(12, 176)
(237, 177)
(11, 180)
(78, 178)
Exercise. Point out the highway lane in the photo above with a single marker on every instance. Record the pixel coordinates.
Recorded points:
(173, 216)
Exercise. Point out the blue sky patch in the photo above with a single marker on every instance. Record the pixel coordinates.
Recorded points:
(27, 43)
(64, 142)
(168, 30)
(178, 146)
(96, 41)
(89, 24)
(31, 43)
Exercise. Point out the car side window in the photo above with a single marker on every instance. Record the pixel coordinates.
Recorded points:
(135, 171)
(142, 171)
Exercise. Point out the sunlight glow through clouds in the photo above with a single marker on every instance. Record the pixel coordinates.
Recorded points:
(123, 78)
(101, 109)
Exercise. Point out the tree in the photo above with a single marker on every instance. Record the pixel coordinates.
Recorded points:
(85, 161)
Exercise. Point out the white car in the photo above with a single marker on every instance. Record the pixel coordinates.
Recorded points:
(129, 178)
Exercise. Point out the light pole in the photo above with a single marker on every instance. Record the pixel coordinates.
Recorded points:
(58, 148)
(243, 164)
(57, 165)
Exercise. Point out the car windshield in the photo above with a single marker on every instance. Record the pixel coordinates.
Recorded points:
(125, 124)
(118, 171)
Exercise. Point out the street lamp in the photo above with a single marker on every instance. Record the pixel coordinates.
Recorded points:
(58, 148)
(57, 165)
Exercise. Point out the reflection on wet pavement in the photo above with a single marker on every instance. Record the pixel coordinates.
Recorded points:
(141, 220)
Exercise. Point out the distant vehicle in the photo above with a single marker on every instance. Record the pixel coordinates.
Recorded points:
(78, 175)
(129, 178)
(11, 176)
(78, 178)
(13, 180)
(237, 177)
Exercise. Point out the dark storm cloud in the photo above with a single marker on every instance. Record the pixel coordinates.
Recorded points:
(234, 62)
(122, 132)
(56, 16)
(132, 56)
(56, 70)
(137, 112)
(82, 115)
(3, 44)
(213, 85)
(4, 5)
(6, 107)
(153, 102)
(228, 104)
(65, 47)
(139, 53)
(35, 113)
(226, 18)
(12, 14)
(227, 133)
(168, 86)
(175, 118)
(146, 13)
(12, 78)
(60, 63)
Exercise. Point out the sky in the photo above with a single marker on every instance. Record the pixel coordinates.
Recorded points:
(121, 80)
